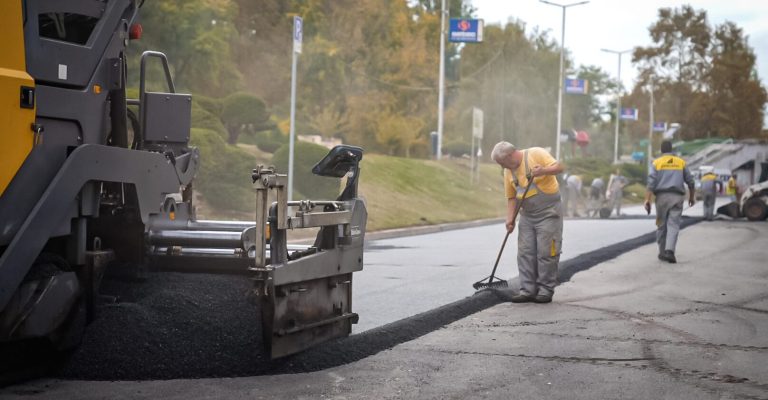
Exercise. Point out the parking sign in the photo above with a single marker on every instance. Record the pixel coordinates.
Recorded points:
(298, 33)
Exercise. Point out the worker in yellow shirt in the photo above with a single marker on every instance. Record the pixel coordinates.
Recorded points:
(540, 232)
(732, 188)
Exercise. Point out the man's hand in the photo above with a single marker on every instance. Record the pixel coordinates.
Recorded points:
(647, 206)
(510, 225)
(537, 171)
(691, 201)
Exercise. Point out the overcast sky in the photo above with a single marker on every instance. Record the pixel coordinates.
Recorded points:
(623, 24)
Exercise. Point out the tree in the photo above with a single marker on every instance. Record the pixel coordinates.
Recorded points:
(195, 35)
(398, 133)
(738, 97)
(241, 111)
(681, 40)
(704, 76)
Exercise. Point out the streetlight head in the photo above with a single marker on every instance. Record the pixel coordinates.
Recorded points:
(564, 5)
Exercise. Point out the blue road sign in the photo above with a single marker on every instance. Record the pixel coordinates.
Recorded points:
(576, 86)
(466, 30)
(628, 114)
(298, 33)
(659, 126)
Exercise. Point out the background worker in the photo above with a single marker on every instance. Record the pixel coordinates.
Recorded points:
(615, 192)
(540, 231)
(710, 186)
(573, 186)
(596, 190)
(666, 181)
(732, 189)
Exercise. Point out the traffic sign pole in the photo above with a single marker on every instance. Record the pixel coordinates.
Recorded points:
(298, 33)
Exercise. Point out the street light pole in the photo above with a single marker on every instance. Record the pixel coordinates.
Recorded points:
(650, 128)
(561, 78)
(618, 105)
(441, 83)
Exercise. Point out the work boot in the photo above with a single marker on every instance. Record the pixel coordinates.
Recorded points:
(521, 298)
(669, 256)
(542, 298)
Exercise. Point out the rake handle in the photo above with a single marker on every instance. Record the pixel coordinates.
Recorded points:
(514, 217)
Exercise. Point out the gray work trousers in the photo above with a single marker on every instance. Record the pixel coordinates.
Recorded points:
(616, 198)
(539, 242)
(709, 206)
(669, 214)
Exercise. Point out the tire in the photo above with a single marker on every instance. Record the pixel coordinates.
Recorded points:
(755, 209)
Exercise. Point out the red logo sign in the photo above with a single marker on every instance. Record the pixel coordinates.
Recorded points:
(464, 25)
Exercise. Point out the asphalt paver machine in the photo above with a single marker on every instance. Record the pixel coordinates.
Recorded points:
(85, 181)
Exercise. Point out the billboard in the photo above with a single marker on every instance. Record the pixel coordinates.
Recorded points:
(466, 30)
(576, 86)
(628, 113)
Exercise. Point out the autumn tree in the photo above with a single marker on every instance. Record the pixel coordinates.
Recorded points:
(196, 37)
(704, 77)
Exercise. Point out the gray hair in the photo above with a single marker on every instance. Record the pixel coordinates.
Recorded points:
(502, 150)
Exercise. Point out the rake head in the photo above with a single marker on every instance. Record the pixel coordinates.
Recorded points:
(492, 283)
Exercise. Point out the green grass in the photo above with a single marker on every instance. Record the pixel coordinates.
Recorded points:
(402, 192)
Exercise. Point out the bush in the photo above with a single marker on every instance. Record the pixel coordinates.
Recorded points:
(204, 119)
(306, 155)
(270, 141)
(636, 173)
(240, 110)
(224, 178)
(457, 148)
(209, 104)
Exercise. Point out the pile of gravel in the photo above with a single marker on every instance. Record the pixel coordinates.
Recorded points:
(171, 325)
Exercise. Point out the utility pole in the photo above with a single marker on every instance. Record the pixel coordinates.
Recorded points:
(441, 83)
(618, 105)
(650, 127)
(561, 78)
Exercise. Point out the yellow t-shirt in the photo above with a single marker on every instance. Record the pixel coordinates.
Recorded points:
(547, 183)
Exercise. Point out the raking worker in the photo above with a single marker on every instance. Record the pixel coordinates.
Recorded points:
(667, 180)
(540, 231)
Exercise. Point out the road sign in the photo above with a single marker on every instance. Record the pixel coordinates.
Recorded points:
(628, 114)
(670, 133)
(298, 33)
(477, 123)
(466, 30)
(659, 126)
(576, 86)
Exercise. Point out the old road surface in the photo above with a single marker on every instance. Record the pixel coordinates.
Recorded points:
(628, 327)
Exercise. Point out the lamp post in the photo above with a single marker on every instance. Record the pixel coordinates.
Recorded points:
(618, 105)
(650, 127)
(560, 77)
(441, 83)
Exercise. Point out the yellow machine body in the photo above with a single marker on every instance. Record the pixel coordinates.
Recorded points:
(16, 134)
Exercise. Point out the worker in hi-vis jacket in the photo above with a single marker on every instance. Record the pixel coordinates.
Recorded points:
(666, 180)
(710, 186)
